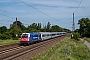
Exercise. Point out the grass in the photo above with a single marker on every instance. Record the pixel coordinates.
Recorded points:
(87, 39)
(6, 42)
(66, 49)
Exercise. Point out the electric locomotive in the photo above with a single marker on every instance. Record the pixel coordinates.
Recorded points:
(27, 38)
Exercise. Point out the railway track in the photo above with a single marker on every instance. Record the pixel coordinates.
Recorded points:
(12, 53)
(5, 55)
(6, 47)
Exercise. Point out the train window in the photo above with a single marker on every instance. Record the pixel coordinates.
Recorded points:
(45, 35)
(58, 33)
(53, 34)
(25, 36)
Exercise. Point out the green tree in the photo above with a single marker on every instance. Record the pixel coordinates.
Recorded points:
(19, 24)
(48, 27)
(15, 31)
(5, 36)
(3, 29)
(44, 28)
(39, 26)
(34, 27)
(55, 28)
(76, 36)
(67, 30)
(84, 27)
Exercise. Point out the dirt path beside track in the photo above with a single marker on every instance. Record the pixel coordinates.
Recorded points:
(86, 43)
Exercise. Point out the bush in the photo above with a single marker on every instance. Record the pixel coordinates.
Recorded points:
(5, 36)
(0, 36)
(76, 36)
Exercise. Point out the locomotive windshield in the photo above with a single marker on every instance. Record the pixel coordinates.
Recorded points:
(25, 36)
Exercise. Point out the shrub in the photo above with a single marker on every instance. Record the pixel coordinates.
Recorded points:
(76, 36)
(5, 36)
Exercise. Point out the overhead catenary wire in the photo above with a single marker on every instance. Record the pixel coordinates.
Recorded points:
(73, 24)
(42, 12)
(3, 10)
(7, 16)
(39, 10)
(33, 8)
(78, 7)
(2, 20)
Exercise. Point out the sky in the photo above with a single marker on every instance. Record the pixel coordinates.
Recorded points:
(57, 12)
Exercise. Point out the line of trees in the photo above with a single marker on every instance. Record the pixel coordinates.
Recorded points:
(84, 27)
(34, 27)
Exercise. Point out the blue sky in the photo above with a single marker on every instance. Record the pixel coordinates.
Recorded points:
(61, 10)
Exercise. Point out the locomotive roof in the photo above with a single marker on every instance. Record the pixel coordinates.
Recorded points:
(45, 32)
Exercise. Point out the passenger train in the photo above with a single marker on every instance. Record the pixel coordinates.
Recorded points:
(28, 38)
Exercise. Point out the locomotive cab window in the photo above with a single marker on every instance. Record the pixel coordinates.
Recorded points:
(25, 36)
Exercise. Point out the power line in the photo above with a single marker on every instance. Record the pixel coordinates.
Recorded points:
(73, 25)
(7, 16)
(33, 8)
(3, 10)
(78, 6)
(2, 20)
(39, 10)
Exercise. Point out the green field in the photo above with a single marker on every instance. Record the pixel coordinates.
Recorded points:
(87, 39)
(6, 42)
(67, 49)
